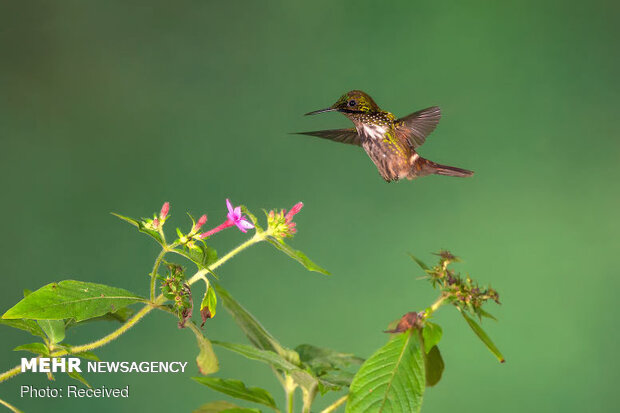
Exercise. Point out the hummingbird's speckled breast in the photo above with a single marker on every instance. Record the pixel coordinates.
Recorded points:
(380, 142)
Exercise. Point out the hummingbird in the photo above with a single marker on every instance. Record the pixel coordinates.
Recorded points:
(390, 142)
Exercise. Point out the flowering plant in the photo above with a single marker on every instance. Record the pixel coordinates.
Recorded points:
(393, 379)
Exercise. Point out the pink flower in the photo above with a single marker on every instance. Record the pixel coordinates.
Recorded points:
(234, 217)
(164, 210)
(201, 221)
(237, 218)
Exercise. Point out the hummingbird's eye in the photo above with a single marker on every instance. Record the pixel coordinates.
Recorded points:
(352, 103)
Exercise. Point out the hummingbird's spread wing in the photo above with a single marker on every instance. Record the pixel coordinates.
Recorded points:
(349, 136)
(417, 126)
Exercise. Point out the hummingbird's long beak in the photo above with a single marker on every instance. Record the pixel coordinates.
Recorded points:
(316, 112)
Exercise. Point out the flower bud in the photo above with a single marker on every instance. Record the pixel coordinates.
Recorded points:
(201, 221)
(164, 210)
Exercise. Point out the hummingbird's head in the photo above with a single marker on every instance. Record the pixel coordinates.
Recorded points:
(351, 104)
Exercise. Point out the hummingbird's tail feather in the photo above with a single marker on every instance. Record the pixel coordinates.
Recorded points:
(453, 171)
(423, 167)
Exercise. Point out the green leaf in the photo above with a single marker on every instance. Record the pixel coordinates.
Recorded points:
(141, 225)
(202, 255)
(483, 313)
(419, 262)
(206, 359)
(253, 353)
(391, 380)
(77, 376)
(321, 360)
(432, 334)
(36, 348)
(120, 316)
(54, 329)
(209, 304)
(433, 363)
(338, 378)
(297, 256)
(483, 337)
(261, 338)
(300, 376)
(71, 299)
(254, 331)
(237, 389)
(30, 326)
(87, 355)
(223, 407)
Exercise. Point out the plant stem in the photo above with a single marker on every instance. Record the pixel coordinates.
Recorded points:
(289, 388)
(290, 401)
(10, 406)
(258, 237)
(158, 261)
(308, 398)
(332, 407)
(436, 305)
(10, 373)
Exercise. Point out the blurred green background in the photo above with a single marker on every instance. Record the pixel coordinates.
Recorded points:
(120, 106)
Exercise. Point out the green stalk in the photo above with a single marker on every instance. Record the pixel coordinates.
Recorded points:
(10, 406)
(158, 261)
(289, 388)
(308, 398)
(332, 407)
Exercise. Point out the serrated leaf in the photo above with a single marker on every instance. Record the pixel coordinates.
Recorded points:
(71, 299)
(36, 348)
(30, 326)
(141, 227)
(433, 363)
(419, 262)
(238, 389)
(483, 337)
(252, 328)
(297, 256)
(54, 329)
(223, 407)
(77, 376)
(432, 334)
(392, 379)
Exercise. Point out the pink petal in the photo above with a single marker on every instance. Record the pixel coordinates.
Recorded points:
(229, 206)
(238, 224)
(237, 212)
(246, 224)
